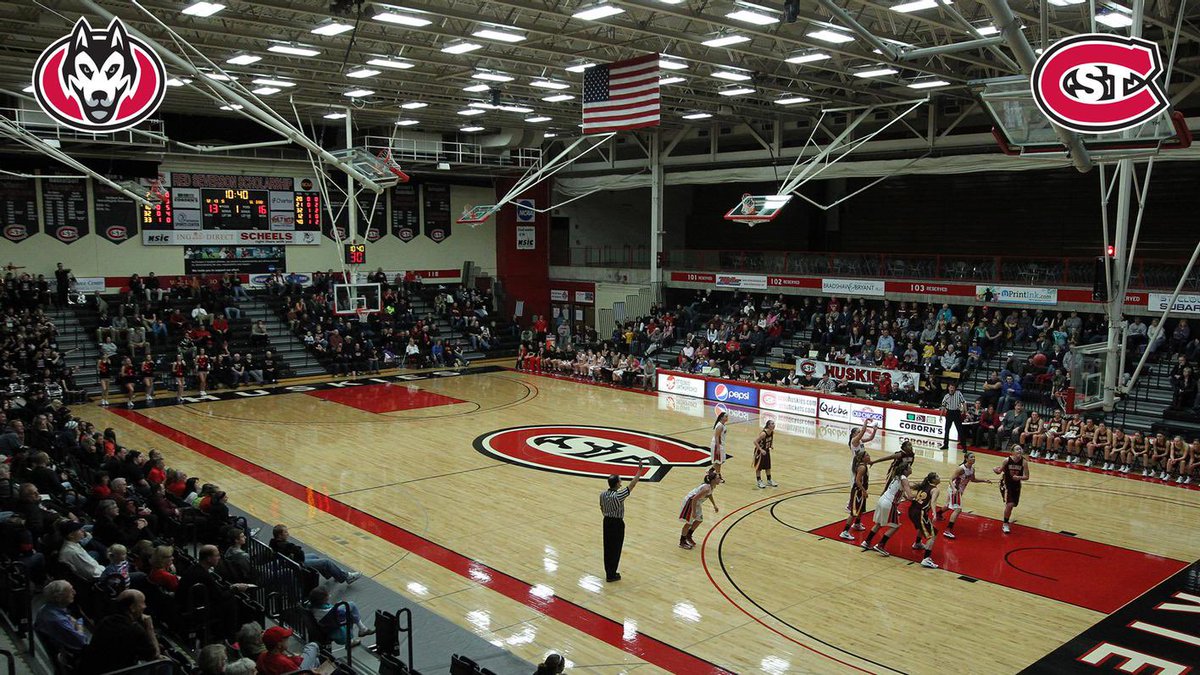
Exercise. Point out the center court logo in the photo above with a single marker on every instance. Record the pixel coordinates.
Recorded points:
(595, 452)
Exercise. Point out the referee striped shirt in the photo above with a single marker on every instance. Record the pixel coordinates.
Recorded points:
(612, 502)
(954, 401)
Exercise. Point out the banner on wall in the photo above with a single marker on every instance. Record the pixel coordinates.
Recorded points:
(1017, 295)
(1186, 303)
(869, 287)
(64, 208)
(862, 375)
(788, 402)
(437, 212)
(525, 211)
(116, 215)
(88, 284)
(227, 238)
(918, 422)
(557, 295)
(236, 259)
(585, 297)
(406, 212)
(526, 238)
(750, 281)
(18, 209)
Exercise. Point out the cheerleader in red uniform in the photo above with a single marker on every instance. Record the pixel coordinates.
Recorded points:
(202, 368)
(179, 372)
(147, 371)
(128, 379)
(104, 374)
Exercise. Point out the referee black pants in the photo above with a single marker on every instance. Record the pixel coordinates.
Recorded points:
(614, 538)
(953, 417)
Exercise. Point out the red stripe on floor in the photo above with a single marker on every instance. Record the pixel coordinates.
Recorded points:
(598, 626)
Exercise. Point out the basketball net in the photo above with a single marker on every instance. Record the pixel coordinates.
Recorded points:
(362, 313)
(385, 156)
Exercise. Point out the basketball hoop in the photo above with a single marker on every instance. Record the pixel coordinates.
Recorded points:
(156, 193)
(385, 156)
(362, 313)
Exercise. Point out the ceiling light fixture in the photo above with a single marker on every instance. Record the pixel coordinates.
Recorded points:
(1066, 3)
(671, 64)
(732, 75)
(832, 36)
(269, 82)
(173, 82)
(203, 9)
(737, 90)
(492, 77)
(1115, 19)
(362, 73)
(756, 17)
(549, 84)
(697, 116)
(471, 111)
(579, 67)
(414, 105)
(475, 88)
(725, 40)
(601, 10)
(461, 47)
(332, 28)
(674, 79)
(807, 57)
(558, 98)
(402, 19)
(471, 130)
(221, 77)
(267, 91)
(498, 35)
(549, 134)
(987, 30)
(244, 59)
(916, 5)
(406, 123)
(928, 84)
(389, 63)
(358, 93)
(792, 100)
(875, 72)
(293, 50)
(231, 107)
(538, 119)
(335, 116)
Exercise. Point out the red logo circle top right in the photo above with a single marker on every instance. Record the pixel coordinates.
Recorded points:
(1098, 83)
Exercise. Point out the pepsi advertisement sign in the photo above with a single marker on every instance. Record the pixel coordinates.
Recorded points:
(731, 393)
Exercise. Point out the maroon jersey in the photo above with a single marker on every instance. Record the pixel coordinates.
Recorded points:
(147, 369)
(178, 368)
(1013, 470)
(103, 368)
(127, 371)
(202, 362)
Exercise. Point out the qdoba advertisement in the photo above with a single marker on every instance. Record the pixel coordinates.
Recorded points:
(670, 383)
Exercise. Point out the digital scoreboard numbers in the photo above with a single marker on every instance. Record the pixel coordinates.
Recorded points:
(356, 254)
(159, 215)
(235, 210)
(308, 211)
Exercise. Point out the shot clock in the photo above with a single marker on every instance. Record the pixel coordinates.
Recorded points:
(356, 254)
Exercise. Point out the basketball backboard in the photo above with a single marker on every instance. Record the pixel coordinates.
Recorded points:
(474, 215)
(1023, 130)
(351, 299)
(379, 167)
(754, 209)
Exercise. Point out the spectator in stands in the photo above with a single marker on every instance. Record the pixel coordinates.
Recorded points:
(1012, 425)
(236, 564)
(1184, 394)
(281, 543)
(218, 598)
(988, 426)
(340, 625)
(212, 659)
(258, 334)
(200, 315)
(278, 661)
(122, 639)
(162, 569)
(56, 625)
(73, 555)
(1010, 393)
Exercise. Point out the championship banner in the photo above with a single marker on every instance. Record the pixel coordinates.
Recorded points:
(116, 215)
(437, 212)
(65, 208)
(406, 212)
(1018, 295)
(18, 209)
(861, 375)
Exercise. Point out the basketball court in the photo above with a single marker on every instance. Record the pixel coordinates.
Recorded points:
(474, 493)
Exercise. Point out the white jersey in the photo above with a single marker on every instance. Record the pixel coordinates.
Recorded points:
(893, 488)
(718, 438)
(959, 484)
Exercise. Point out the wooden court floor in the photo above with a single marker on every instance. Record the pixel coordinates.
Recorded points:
(387, 478)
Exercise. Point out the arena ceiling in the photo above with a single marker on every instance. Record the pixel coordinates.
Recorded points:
(413, 52)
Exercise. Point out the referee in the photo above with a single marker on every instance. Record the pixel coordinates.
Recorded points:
(612, 505)
(953, 405)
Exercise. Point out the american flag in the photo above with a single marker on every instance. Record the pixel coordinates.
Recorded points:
(622, 95)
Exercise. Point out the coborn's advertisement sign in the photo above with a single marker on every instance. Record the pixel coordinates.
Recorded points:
(916, 422)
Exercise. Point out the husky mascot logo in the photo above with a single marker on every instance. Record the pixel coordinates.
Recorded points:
(99, 81)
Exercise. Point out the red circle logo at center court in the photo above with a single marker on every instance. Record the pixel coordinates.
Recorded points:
(596, 452)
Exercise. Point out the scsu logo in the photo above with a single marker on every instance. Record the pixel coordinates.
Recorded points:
(15, 232)
(117, 232)
(767, 397)
(669, 383)
(306, 184)
(99, 81)
(594, 452)
(808, 367)
(68, 233)
(437, 235)
(1099, 83)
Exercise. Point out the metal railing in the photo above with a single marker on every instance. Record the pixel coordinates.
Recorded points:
(433, 151)
(43, 126)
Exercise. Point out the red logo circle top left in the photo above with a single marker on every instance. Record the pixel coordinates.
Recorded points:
(99, 81)
(595, 452)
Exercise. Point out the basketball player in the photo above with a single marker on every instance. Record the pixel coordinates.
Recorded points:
(1098, 444)
(862, 435)
(860, 467)
(1116, 450)
(1014, 471)
(202, 367)
(718, 444)
(762, 454)
(887, 509)
(104, 374)
(692, 513)
(1139, 454)
(1034, 430)
(924, 496)
(128, 380)
(963, 476)
(147, 371)
(1176, 460)
(1052, 439)
(1191, 466)
(1158, 456)
(179, 372)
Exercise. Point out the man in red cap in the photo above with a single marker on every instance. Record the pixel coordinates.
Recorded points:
(277, 660)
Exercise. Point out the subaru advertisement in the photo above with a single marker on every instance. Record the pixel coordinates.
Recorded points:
(735, 394)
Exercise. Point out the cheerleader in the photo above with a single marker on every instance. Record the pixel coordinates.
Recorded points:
(146, 369)
(104, 374)
(692, 512)
(128, 380)
(717, 446)
(762, 454)
(963, 476)
(179, 372)
(203, 365)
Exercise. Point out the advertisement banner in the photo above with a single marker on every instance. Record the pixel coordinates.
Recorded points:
(860, 375)
(787, 402)
(871, 287)
(862, 412)
(792, 425)
(585, 297)
(558, 295)
(1186, 303)
(1017, 295)
(731, 393)
(834, 410)
(89, 284)
(236, 259)
(670, 383)
(917, 422)
(693, 407)
(227, 238)
(526, 237)
(750, 281)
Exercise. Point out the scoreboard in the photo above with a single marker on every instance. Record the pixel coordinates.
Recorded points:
(308, 210)
(235, 210)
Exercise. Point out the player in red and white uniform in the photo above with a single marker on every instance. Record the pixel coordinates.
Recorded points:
(146, 370)
(203, 365)
(691, 514)
(179, 372)
(963, 476)
(887, 509)
(1014, 471)
(861, 436)
(717, 446)
(104, 374)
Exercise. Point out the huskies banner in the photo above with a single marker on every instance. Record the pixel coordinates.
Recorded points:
(437, 212)
(64, 208)
(406, 212)
(18, 209)
(860, 375)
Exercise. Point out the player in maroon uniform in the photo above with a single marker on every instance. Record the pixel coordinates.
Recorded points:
(1014, 471)
(203, 365)
(104, 374)
(920, 512)
(179, 372)
(860, 468)
(128, 380)
(146, 369)
(762, 454)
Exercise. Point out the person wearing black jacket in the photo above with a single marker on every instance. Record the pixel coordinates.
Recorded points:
(282, 544)
(220, 600)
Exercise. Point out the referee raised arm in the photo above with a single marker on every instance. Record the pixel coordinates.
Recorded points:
(612, 505)
(953, 404)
